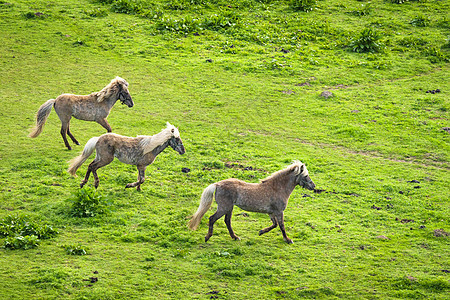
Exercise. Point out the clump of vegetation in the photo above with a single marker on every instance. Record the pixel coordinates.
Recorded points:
(23, 233)
(127, 6)
(412, 42)
(96, 12)
(367, 41)
(303, 5)
(75, 249)
(363, 10)
(88, 202)
(420, 21)
(183, 25)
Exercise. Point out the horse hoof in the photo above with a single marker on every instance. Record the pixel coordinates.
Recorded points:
(236, 238)
(128, 186)
(289, 241)
(261, 232)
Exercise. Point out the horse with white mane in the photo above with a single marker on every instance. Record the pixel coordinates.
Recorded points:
(270, 196)
(93, 107)
(140, 151)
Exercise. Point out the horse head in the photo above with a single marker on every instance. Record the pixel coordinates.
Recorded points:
(175, 141)
(123, 93)
(177, 144)
(303, 178)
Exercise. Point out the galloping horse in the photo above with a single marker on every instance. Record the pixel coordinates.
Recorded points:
(93, 107)
(140, 151)
(270, 196)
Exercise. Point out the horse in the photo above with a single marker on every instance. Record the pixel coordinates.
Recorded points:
(270, 196)
(93, 107)
(140, 151)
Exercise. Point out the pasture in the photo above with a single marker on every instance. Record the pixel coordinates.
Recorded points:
(356, 90)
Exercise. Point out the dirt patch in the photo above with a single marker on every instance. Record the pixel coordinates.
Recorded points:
(440, 233)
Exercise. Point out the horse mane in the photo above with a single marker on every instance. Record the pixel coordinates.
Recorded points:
(295, 166)
(148, 143)
(111, 89)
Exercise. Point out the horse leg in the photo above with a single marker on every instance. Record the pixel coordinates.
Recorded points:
(141, 179)
(216, 216)
(71, 136)
(274, 224)
(105, 124)
(86, 178)
(230, 230)
(94, 166)
(64, 128)
(280, 219)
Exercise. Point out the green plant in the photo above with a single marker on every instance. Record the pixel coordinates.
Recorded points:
(420, 21)
(96, 12)
(412, 42)
(303, 5)
(21, 242)
(127, 6)
(398, 1)
(367, 41)
(363, 10)
(75, 249)
(88, 202)
(220, 21)
(183, 25)
(23, 226)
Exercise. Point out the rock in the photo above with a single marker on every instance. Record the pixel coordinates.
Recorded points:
(327, 94)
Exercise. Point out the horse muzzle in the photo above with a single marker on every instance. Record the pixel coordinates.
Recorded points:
(181, 150)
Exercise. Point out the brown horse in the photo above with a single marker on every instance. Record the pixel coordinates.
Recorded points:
(140, 151)
(270, 196)
(93, 107)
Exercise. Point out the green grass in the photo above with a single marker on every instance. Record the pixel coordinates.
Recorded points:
(242, 80)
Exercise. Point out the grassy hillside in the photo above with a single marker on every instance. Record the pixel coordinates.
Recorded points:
(244, 82)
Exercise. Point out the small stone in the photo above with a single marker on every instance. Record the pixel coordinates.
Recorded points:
(326, 94)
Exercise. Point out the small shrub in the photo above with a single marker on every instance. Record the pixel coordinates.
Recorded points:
(96, 12)
(88, 202)
(367, 41)
(436, 55)
(130, 7)
(363, 10)
(420, 21)
(221, 21)
(303, 5)
(23, 226)
(412, 42)
(177, 5)
(75, 249)
(184, 25)
(21, 242)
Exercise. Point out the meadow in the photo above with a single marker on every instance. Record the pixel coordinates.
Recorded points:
(357, 90)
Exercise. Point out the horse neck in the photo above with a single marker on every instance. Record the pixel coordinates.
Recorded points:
(284, 183)
(111, 101)
(160, 148)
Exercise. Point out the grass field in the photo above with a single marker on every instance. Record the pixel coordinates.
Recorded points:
(244, 82)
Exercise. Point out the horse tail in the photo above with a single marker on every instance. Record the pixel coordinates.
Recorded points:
(79, 160)
(205, 204)
(41, 117)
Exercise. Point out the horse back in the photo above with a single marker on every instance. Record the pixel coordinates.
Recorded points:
(124, 148)
(254, 197)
